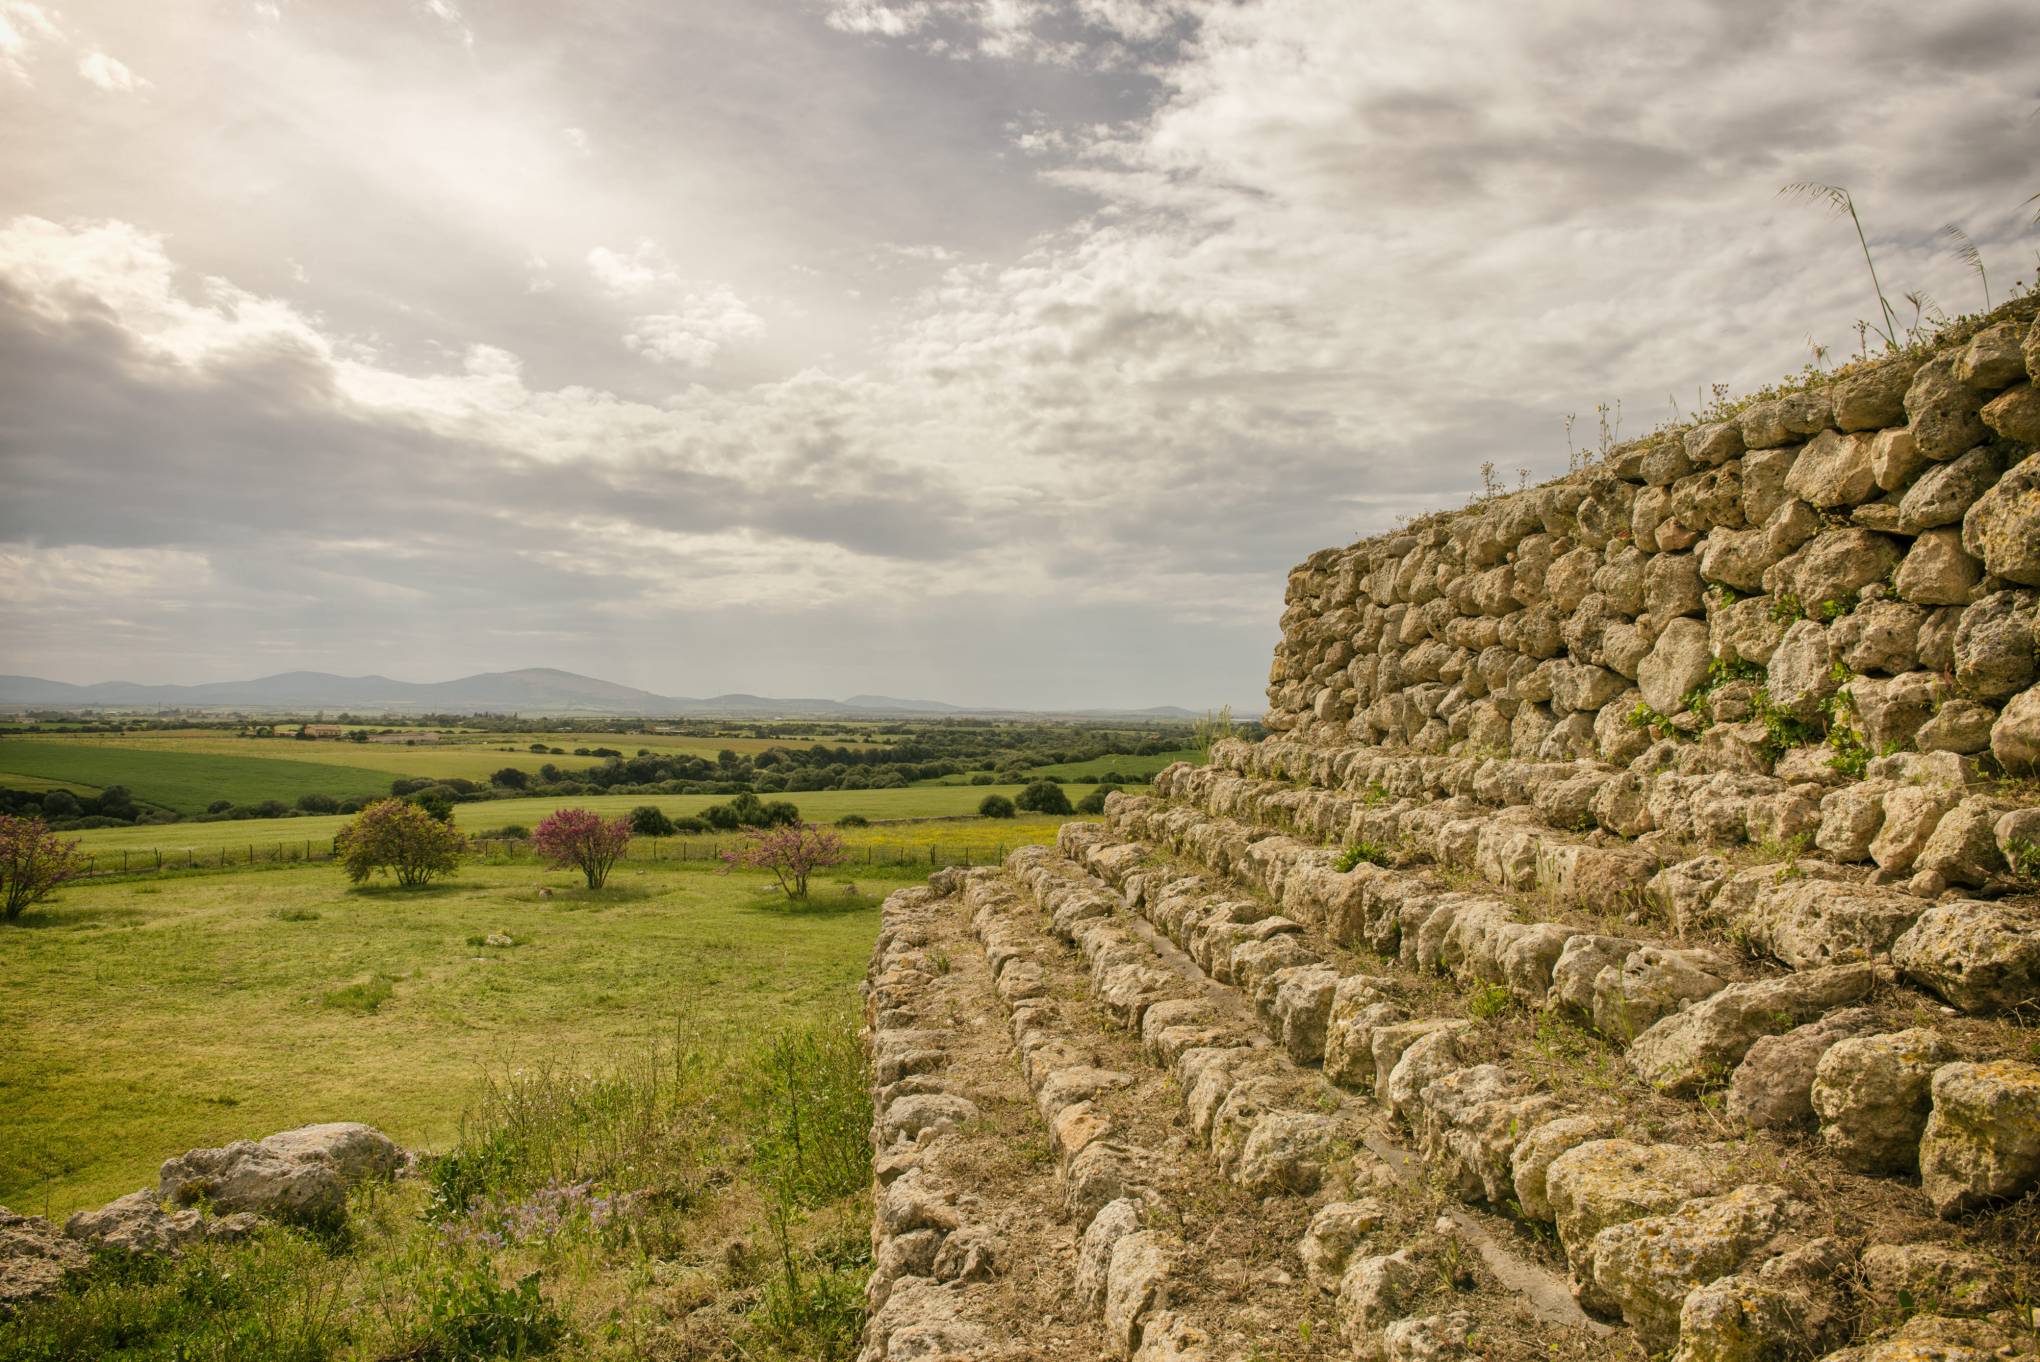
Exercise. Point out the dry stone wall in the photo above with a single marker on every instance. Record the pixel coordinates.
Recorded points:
(1861, 557)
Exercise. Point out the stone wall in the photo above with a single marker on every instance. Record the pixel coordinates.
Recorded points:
(1830, 576)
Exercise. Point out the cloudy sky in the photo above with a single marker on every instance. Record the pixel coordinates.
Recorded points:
(999, 351)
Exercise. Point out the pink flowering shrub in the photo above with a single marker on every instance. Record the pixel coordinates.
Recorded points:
(582, 840)
(33, 862)
(792, 853)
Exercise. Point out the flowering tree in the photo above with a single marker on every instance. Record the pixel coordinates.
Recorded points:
(392, 835)
(582, 840)
(792, 853)
(33, 862)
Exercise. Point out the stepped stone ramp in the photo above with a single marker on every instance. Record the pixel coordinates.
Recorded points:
(1626, 941)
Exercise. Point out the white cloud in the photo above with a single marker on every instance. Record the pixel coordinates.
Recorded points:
(698, 330)
(110, 73)
(24, 27)
(448, 13)
(72, 272)
(877, 16)
(577, 138)
(117, 578)
(643, 269)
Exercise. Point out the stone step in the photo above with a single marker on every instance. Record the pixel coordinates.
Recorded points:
(1981, 957)
(971, 1255)
(1933, 815)
(1322, 1162)
(1493, 1132)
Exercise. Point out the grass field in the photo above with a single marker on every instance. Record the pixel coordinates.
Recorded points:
(471, 756)
(678, 1052)
(821, 806)
(1143, 768)
(151, 1018)
(184, 780)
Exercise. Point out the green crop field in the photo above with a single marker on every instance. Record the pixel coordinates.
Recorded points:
(186, 781)
(472, 756)
(148, 1018)
(820, 806)
(1143, 768)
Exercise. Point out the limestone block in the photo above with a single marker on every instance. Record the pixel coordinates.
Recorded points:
(1834, 565)
(1833, 471)
(1879, 636)
(1933, 1338)
(1645, 1268)
(1772, 1088)
(2003, 528)
(1959, 726)
(1530, 1161)
(1793, 1305)
(1982, 1140)
(1136, 1283)
(2015, 414)
(1698, 1047)
(1935, 1277)
(1611, 1182)
(1891, 711)
(1992, 359)
(1676, 664)
(1875, 397)
(1871, 1094)
(1714, 443)
(1936, 571)
(1807, 923)
(1785, 420)
(2015, 736)
(1943, 410)
(1980, 957)
(1335, 1232)
(1946, 492)
(1895, 459)
(1800, 675)
(1911, 814)
(1652, 983)
(1850, 817)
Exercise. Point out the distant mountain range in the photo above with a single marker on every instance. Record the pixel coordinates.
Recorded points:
(533, 690)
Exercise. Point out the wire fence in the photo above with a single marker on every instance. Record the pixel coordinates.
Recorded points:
(507, 850)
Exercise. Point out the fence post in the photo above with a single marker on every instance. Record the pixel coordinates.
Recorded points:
(159, 858)
(123, 863)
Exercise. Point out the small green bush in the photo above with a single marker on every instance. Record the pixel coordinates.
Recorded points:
(853, 820)
(648, 820)
(995, 806)
(1044, 796)
(1361, 851)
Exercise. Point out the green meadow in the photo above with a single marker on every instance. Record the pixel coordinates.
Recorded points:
(883, 807)
(181, 779)
(152, 1017)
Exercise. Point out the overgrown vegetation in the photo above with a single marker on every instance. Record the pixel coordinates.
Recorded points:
(689, 1203)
